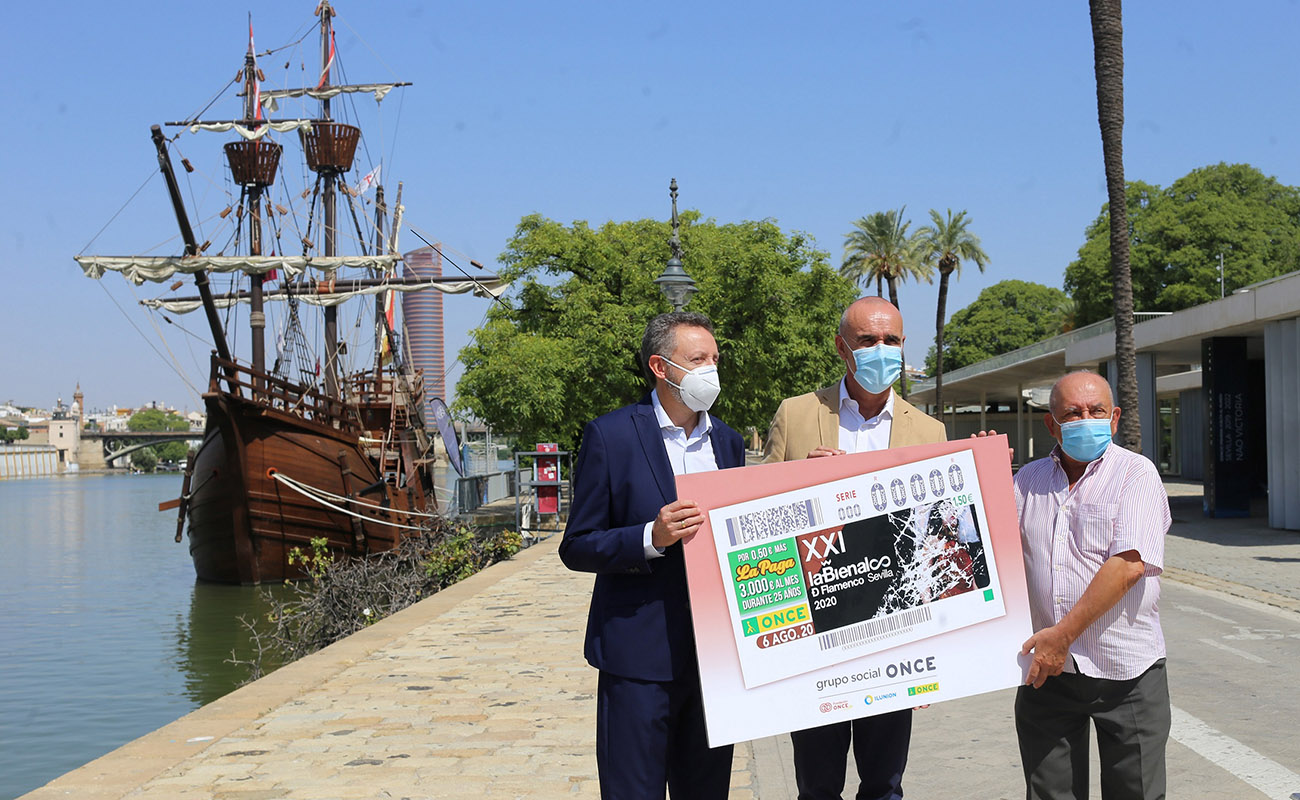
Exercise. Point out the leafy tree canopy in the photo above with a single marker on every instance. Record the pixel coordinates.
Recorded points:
(879, 248)
(1178, 233)
(565, 351)
(16, 435)
(1006, 316)
(145, 460)
(155, 419)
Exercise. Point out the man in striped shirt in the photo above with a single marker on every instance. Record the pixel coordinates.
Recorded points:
(1093, 517)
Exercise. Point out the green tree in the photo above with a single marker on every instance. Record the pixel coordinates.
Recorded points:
(1006, 316)
(564, 350)
(879, 249)
(155, 419)
(145, 460)
(945, 244)
(1108, 64)
(1177, 235)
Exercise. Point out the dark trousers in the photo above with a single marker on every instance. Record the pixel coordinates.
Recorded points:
(879, 750)
(1132, 720)
(649, 735)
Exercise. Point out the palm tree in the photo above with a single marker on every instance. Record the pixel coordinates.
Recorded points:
(1067, 315)
(1108, 64)
(878, 248)
(946, 243)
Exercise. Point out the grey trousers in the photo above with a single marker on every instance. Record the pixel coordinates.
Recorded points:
(1132, 720)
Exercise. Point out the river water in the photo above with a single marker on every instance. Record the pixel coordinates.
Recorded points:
(105, 635)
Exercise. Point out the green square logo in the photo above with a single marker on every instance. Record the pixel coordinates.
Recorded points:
(988, 595)
(911, 691)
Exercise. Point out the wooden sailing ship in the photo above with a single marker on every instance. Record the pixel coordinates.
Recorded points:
(289, 459)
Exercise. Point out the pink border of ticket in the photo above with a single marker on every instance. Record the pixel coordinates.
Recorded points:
(971, 660)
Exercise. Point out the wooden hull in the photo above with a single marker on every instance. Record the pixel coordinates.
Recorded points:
(243, 523)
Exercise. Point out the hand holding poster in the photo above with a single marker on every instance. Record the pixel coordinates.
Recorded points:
(836, 588)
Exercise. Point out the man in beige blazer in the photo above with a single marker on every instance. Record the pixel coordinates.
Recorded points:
(858, 414)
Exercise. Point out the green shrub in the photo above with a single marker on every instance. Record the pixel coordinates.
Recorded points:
(342, 596)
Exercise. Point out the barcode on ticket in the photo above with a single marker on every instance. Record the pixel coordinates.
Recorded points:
(875, 627)
(771, 523)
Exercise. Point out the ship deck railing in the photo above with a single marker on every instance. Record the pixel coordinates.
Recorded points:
(277, 393)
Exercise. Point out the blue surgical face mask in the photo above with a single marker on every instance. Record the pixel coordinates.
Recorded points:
(876, 368)
(1085, 440)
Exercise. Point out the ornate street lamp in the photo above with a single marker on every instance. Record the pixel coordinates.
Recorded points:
(676, 285)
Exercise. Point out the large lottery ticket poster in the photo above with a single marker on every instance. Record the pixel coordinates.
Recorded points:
(836, 588)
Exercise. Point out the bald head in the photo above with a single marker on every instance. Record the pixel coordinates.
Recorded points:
(1081, 393)
(870, 312)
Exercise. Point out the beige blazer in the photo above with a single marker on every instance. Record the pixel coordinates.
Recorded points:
(812, 420)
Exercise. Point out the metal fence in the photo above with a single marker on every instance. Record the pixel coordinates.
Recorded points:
(475, 491)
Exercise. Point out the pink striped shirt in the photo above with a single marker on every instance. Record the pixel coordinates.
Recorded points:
(1119, 504)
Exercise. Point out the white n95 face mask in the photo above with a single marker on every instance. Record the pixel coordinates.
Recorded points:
(699, 387)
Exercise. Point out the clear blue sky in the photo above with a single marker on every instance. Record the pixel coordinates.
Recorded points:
(811, 114)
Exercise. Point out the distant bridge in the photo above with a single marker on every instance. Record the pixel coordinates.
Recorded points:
(117, 444)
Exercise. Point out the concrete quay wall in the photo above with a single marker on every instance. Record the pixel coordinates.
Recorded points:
(28, 461)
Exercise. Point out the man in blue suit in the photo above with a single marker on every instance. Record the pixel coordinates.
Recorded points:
(626, 525)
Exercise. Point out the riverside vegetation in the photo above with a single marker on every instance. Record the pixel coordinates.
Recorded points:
(342, 596)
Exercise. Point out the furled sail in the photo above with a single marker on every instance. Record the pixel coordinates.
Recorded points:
(241, 128)
(139, 269)
(380, 90)
(321, 295)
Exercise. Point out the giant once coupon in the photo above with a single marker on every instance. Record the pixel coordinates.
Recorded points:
(829, 573)
(842, 587)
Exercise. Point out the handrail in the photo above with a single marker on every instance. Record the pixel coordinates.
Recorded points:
(278, 393)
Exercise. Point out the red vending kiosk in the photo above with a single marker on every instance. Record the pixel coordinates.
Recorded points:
(546, 474)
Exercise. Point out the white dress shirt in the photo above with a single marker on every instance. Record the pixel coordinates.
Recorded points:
(686, 454)
(858, 435)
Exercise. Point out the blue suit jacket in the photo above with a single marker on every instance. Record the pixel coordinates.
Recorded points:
(640, 621)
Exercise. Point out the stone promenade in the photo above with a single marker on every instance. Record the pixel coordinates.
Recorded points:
(481, 691)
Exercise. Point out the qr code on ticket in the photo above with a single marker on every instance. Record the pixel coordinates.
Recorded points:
(775, 522)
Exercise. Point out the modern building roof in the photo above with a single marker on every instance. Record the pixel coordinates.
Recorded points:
(1173, 338)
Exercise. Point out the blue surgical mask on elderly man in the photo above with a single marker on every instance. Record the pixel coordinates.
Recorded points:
(1085, 440)
(876, 368)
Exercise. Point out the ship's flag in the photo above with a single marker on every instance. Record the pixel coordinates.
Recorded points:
(385, 347)
(257, 85)
(369, 181)
(329, 62)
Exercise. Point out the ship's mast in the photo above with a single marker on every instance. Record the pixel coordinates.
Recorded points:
(191, 244)
(256, 316)
(331, 314)
(380, 317)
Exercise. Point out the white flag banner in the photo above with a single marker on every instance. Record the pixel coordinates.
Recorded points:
(369, 181)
